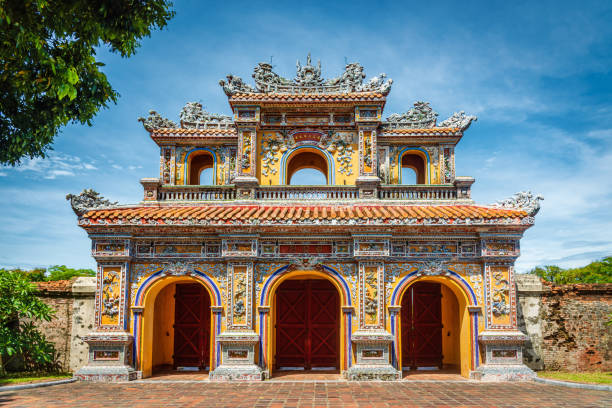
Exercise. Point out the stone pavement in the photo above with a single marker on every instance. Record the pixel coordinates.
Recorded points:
(306, 394)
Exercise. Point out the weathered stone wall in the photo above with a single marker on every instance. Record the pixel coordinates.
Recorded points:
(73, 302)
(566, 325)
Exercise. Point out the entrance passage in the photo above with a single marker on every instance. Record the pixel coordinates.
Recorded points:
(422, 326)
(191, 326)
(307, 325)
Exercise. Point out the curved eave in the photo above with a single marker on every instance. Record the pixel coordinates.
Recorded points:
(287, 216)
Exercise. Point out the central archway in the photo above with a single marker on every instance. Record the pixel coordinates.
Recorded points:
(268, 312)
(307, 325)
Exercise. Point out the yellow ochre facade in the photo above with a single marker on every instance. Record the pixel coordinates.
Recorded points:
(227, 266)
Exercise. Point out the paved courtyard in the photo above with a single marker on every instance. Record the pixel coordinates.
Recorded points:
(306, 394)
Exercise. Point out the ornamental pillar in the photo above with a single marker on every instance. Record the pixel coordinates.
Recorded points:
(502, 341)
(110, 345)
(372, 341)
(239, 340)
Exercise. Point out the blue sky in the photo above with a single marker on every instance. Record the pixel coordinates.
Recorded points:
(537, 75)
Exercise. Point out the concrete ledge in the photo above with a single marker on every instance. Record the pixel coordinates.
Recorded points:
(573, 384)
(36, 385)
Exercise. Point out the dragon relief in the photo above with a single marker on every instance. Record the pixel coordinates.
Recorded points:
(523, 200)
(88, 200)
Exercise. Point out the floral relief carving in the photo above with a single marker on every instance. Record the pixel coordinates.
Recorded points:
(110, 293)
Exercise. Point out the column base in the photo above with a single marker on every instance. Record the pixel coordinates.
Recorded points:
(106, 373)
(503, 357)
(365, 372)
(496, 373)
(372, 357)
(238, 358)
(226, 372)
(109, 358)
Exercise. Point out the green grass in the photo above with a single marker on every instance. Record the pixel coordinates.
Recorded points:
(20, 378)
(597, 377)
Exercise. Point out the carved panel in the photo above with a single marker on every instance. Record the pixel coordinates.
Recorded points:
(110, 299)
(110, 248)
(371, 247)
(371, 285)
(367, 153)
(500, 248)
(239, 248)
(500, 295)
(240, 292)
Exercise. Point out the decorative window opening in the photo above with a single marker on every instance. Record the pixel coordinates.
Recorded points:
(413, 163)
(307, 168)
(201, 169)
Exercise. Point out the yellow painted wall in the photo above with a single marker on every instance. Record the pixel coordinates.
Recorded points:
(450, 328)
(274, 174)
(163, 330)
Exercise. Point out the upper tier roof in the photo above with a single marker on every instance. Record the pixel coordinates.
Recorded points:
(307, 80)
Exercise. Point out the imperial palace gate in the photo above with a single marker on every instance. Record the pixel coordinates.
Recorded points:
(231, 265)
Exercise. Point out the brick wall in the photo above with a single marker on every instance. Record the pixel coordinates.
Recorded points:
(566, 325)
(73, 302)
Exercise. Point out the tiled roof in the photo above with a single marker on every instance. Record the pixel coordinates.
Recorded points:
(246, 214)
(309, 97)
(420, 131)
(205, 131)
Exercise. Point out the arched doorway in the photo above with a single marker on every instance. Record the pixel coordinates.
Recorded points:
(413, 165)
(201, 168)
(177, 327)
(433, 329)
(307, 325)
(307, 159)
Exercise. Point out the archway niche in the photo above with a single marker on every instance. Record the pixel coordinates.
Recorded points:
(309, 167)
(201, 169)
(415, 162)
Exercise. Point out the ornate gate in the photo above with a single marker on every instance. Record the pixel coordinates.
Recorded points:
(307, 332)
(422, 326)
(191, 326)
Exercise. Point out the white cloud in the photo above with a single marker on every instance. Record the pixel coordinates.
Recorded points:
(3, 174)
(116, 166)
(53, 166)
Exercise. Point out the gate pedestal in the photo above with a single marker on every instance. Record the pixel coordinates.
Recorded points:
(109, 358)
(372, 357)
(238, 358)
(504, 357)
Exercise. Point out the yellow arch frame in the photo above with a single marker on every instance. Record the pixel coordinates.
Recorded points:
(426, 165)
(271, 335)
(148, 321)
(465, 329)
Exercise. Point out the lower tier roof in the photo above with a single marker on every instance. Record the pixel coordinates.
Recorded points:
(302, 214)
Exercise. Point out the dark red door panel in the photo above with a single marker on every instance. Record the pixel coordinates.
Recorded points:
(191, 326)
(307, 324)
(421, 324)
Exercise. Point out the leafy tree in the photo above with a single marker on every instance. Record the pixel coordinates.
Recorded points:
(596, 272)
(19, 310)
(49, 74)
(62, 272)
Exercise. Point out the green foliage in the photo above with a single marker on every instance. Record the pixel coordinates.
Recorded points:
(62, 272)
(595, 272)
(49, 75)
(53, 273)
(19, 310)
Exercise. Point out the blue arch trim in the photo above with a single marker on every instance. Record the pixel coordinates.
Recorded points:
(455, 274)
(284, 268)
(399, 162)
(205, 277)
(331, 171)
(186, 167)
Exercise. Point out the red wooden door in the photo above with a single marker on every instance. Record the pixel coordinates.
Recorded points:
(421, 324)
(191, 326)
(307, 324)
